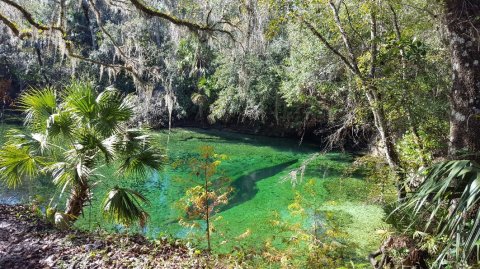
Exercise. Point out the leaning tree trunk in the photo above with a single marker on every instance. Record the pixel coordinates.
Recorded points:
(462, 19)
(78, 198)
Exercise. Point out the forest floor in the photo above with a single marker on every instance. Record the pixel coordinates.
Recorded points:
(27, 241)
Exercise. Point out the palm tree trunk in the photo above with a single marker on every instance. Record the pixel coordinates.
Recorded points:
(76, 201)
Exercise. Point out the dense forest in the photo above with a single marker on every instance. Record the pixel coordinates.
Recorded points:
(365, 104)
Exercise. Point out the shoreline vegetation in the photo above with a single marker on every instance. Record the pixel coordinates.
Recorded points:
(382, 98)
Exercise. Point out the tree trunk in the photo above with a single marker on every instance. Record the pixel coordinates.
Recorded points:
(76, 201)
(387, 141)
(207, 209)
(91, 26)
(378, 111)
(463, 24)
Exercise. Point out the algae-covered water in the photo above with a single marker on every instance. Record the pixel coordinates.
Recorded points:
(259, 168)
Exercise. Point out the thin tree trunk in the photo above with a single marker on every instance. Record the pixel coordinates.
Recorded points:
(375, 103)
(411, 122)
(463, 24)
(387, 141)
(379, 114)
(207, 213)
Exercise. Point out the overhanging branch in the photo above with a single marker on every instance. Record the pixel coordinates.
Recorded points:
(68, 44)
(138, 4)
(29, 17)
(192, 26)
(330, 47)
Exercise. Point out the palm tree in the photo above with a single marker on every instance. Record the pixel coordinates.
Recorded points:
(68, 135)
(446, 205)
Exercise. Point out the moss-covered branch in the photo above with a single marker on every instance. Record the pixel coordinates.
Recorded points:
(68, 44)
(192, 26)
(10, 25)
(14, 28)
(171, 18)
(29, 17)
(140, 5)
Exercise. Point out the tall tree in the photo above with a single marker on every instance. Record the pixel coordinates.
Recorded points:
(356, 44)
(462, 19)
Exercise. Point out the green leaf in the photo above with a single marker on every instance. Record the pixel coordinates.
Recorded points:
(114, 110)
(445, 182)
(38, 106)
(124, 206)
(17, 164)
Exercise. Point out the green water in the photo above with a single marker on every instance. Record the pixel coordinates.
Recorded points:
(258, 168)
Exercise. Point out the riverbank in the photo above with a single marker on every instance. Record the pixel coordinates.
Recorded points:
(27, 241)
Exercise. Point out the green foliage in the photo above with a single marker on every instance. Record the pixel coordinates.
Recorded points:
(124, 206)
(17, 164)
(71, 134)
(247, 88)
(380, 187)
(38, 106)
(277, 73)
(313, 236)
(446, 205)
(203, 201)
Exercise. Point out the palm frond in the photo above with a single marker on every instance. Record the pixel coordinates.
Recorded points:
(142, 162)
(37, 142)
(38, 106)
(449, 195)
(63, 173)
(70, 136)
(80, 98)
(124, 206)
(132, 140)
(17, 164)
(61, 123)
(114, 110)
(88, 141)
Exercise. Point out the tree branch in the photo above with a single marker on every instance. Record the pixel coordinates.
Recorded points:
(127, 66)
(140, 5)
(68, 44)
(10, 24)
(330, 47)
(345, 38)
(100, 25)
(28, 16)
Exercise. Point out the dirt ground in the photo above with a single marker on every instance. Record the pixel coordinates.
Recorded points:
(27, 241)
